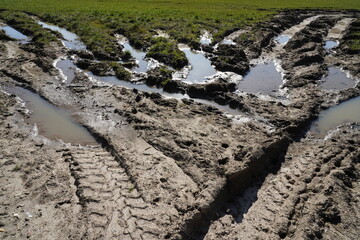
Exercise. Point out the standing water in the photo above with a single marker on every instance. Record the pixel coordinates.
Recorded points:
(336, 79)
(67, 68)
(139, 56)
(13, 33)
(201, 67)
(282, 39)
(205, 38)
(263, 78)
(330, 44)
(52, 122)
(348, 111)
(145, 88)
(71, 39)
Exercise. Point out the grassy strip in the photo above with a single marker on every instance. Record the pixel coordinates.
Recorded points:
(25, 24)
(97, 37)
(96, 21)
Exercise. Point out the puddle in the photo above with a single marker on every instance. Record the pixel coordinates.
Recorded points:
(336, 79)
(11, 32)
(71, 40)
(206, 38)
(348, 111)
(139, 56)
(330, 44)
(282, 39)
(201, 68)
(67, 68)
(52, 122)
(263, 78)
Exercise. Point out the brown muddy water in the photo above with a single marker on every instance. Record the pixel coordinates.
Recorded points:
(336, 80)
(263, 79)
(348, 111)
(67, 68)
(52, 122)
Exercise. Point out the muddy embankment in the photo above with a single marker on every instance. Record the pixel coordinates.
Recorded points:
(170, 167)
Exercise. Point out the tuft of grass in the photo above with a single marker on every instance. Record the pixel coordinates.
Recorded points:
(120, 71)
(16, 168)
(166, 51)
(2, 47)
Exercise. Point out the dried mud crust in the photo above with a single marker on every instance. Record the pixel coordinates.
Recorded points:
(112, 206)
(314, 195)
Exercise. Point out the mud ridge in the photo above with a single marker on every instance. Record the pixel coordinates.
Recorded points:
(269, 161)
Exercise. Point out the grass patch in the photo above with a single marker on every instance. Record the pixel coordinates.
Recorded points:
(97, 37)
(95, 21)
(120, 71)
(166, 51)
(25, 24)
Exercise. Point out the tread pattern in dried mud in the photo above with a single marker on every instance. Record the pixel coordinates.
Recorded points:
(303, 200)
(112, 206)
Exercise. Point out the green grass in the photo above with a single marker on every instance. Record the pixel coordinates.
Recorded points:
(26, 25)
(166, 51)
(95, 21)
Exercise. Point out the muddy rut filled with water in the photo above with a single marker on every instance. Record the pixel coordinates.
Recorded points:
(250, 140)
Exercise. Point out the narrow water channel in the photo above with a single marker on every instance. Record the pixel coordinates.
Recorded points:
(13, 33)
(139, 56)
(145, 88)
(52, 122)
(348, 111)
(71, 40)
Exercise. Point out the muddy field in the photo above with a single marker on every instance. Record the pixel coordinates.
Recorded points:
(252, 139)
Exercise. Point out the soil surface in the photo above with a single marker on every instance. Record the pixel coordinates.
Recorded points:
(170, 168)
